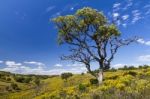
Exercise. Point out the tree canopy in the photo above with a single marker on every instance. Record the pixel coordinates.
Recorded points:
(91, 37)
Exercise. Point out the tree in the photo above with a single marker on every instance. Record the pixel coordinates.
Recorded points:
(91, 38)
(66, 75)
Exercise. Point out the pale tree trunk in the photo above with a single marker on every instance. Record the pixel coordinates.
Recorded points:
(100, 76)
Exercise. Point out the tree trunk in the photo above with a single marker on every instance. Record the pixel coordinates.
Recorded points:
(100, 76)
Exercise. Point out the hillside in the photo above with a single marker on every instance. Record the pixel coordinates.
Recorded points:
(125, 84)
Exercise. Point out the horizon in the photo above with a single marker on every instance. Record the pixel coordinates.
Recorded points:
(28, 40)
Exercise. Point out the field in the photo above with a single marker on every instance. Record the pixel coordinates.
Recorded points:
(125, 84)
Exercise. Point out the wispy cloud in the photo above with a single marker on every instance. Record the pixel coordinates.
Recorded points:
(115, 15)
(125, 17)
(136, 16)
(128, 4)
(34, 63)
(75, 65)
(129, 12)
(142, 41)
(23, 68)
(116, 5)
(58, 65)
(50, 8)
(144, 58)
(12, 64)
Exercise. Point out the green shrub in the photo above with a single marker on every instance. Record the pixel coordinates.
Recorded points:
(19, 79)
(66, 75)
(8, 79)
(27, 79)
(132, 73)
(8, 88)
(112, 70)
(14, 86)
(22, 79)
(93, 81)
(82, 87)
(112, 77)
(37, 81)
(82, 73)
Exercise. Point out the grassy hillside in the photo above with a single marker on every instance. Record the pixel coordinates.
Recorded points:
(125, 84)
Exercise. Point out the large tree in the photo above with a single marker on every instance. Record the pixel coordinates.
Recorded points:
(91, 38)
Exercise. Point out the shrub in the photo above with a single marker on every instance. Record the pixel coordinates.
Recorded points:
(82, 87)
(131, 67)
(37, 81)
(19, 79)
(66, 75)
(112, 70)
(93, 81)
(14, 86)
(8, 79)
(27, 79)
(112, 77)
(3, 77)
(132, 73)
(22, 79)
(145, 66)
(8, 88)
(82, 73)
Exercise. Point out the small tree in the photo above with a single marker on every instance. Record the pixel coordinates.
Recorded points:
(91, 38)
(66, 75)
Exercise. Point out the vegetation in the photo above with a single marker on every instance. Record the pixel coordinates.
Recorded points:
(91, 37)
(125, 84)
(66, 75)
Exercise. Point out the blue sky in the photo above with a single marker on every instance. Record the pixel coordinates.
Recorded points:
(28, 41)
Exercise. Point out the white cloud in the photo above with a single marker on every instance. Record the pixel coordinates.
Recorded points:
(116, 5)
(75, 65)
(118, 65)
(136, 16)
(41, 71)
(142, 41)
(129, 4)
(58, 65)
(115, 15)
(144, 58)
(34, 63)
(125, 17)
(12, 64)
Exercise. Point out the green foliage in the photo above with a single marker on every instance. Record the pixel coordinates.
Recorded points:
(14, 86)
(8, 79)
(127, 68)
(82, 87)
(37, 81)
(93, 81)
(66, 75)
(82, 73)
(79, 22)
(132, 73)
(22, 79)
